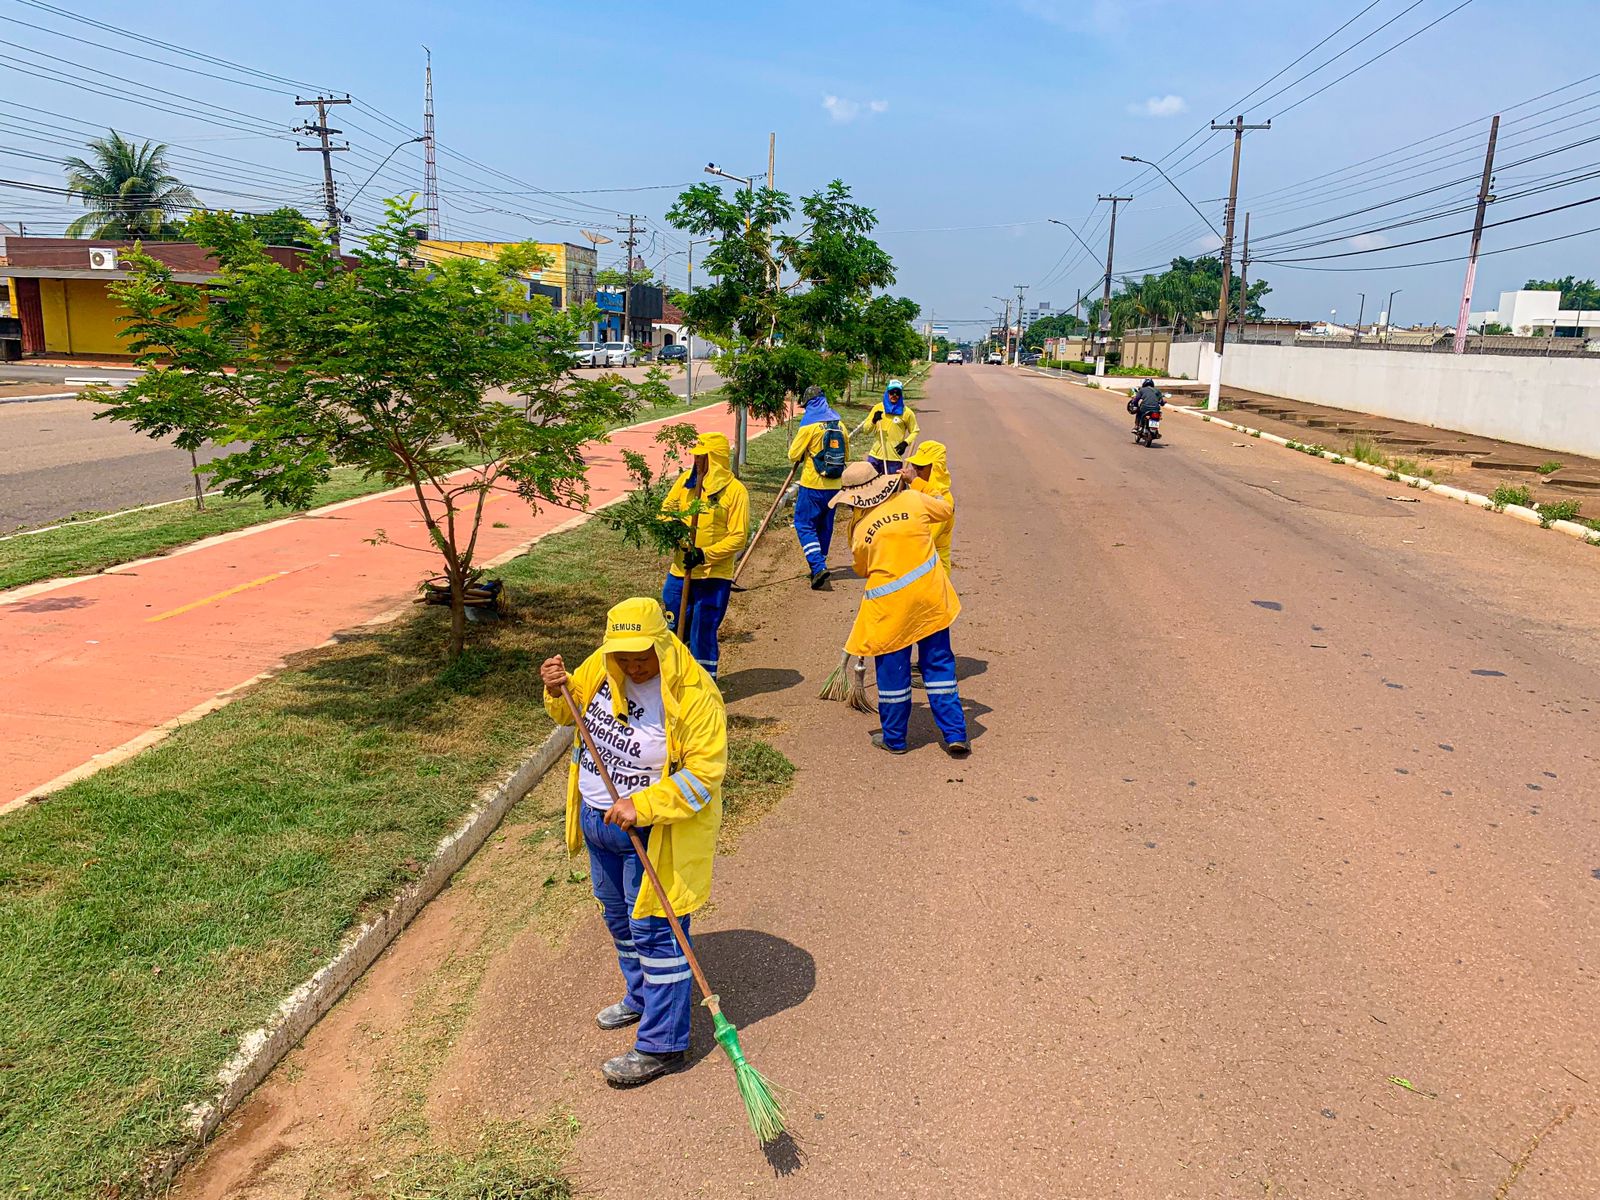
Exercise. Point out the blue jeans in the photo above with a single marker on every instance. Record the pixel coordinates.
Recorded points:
(660, 985)
(708, 604)
(813, 523)
(938, 663)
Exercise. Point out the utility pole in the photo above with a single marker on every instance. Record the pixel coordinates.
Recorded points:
(1465, 314)
(1105, 301)
(1214, 398)
(1360, 313)
(627, 286)
(1244, 276)
(1016, 354)
(430, 170)
(330, 195)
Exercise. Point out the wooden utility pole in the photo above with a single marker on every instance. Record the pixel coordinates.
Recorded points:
(1244, 276)
(1214, 398)
(1465, 314)
(1104, 334)
(627, 276)
(330, 194)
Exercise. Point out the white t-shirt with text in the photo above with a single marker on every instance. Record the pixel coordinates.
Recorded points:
(634, 753)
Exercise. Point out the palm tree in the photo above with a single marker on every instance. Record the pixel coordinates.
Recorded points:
(128, 190)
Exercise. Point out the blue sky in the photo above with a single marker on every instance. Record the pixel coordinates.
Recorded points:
(965, 124)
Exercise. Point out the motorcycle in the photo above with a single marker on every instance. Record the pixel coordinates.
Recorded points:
(1147, 429)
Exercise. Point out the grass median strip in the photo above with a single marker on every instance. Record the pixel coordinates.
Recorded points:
(92, 541)
(156, 912)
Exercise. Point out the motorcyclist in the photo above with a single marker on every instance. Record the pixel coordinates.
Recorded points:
(1146, 401)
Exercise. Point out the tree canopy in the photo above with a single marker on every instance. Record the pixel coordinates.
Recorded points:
(1176, 297)
(128, 190)
(1055, 325)
(1576, 294)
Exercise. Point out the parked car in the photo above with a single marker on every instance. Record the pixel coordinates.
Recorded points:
(613, 354)
(1028, 358)
(954, 357)
(996, 359)
(583, 354)
(675, 353)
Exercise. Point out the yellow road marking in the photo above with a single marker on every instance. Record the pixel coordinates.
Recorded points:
(192, 605)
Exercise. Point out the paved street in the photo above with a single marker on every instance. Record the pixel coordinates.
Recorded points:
(1275, 870)
(92, 664)
(57, 460)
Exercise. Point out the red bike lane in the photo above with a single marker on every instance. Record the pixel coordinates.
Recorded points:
(92, 669)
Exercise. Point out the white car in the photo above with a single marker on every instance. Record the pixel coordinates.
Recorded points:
(954, 357)
(613, 354)
(583, 354)
(996, 359)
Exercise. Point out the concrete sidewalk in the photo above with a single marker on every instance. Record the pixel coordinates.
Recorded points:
(92, 669)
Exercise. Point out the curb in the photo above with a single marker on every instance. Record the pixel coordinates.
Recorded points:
(262, 1049)
(1474, 499)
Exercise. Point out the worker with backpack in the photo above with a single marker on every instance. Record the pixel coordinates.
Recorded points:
(821, 448)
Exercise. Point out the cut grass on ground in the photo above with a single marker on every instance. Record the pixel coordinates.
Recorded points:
(83, 546)
(152, 914)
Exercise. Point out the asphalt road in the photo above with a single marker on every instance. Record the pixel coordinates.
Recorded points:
(57, 460)
(1275, 870)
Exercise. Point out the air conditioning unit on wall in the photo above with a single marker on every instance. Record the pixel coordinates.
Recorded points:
(103, 260)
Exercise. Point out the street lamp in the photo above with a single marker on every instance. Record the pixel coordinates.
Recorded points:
(1362, 312)
(713, 169)
(1134, 158)
(1074, 233)
(409, 141)
(1388, 316)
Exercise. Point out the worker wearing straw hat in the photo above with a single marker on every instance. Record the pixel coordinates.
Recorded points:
(659, 724)
(822, 448)
(720, 530)
(892, 429)
(908, 601)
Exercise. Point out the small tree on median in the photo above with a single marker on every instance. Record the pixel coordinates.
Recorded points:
(448, 381)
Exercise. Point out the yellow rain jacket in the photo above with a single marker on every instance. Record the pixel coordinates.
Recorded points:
(684, 810)
(932, 455)
(806, 445)
(908, 593)
(724, 518)
(889, 432)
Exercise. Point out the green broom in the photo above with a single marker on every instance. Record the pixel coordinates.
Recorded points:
(761, 1106)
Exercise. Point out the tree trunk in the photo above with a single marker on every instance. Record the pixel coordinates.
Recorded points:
(199, 491)
(458, 615)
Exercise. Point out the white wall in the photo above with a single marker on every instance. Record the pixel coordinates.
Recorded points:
(1550, 403)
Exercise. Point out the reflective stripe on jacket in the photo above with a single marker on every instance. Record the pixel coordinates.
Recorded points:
(683, 810)
(908, 593)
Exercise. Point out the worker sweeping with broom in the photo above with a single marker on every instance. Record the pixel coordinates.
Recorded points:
(695, 595)
(660, 729)
(908, 601)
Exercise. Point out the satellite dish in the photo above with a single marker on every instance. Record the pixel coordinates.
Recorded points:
(599, 239)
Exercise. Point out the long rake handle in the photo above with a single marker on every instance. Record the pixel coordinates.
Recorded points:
(639, 849)
(765, 521)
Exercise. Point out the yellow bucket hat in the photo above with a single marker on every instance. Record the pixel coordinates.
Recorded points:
(634, 625)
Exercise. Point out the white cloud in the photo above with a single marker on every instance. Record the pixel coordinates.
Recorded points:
(1368, 241)
(844, 111)
(1102, 17)
(1160, 106)
(1208, 244)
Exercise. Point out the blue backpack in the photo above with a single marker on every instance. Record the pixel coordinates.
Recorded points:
(829, 461)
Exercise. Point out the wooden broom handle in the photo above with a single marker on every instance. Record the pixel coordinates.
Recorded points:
(639, 849)
(688, 571)
(765, 521)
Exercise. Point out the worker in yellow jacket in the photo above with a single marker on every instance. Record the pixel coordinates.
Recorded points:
(661, 729)
(821, 449)
(933, 479)
(891, 429)
(720, 534)
(908, 602)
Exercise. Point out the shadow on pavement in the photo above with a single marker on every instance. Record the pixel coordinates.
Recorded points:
(925, 732)
(966, 668)
(757, 975)
(53, 604)
(757, 681)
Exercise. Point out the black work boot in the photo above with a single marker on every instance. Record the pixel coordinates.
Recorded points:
(958, 749)
(637, 1066)
(616, 1016)
(818, 578)
(877, 740)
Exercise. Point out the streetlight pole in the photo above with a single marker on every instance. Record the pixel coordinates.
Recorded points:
(1134, 158)
(1005, 337)
(1105, 301)
(1388, 316)
(1237, 125)
(1360, 313)
(1016, 354)
(741, 415)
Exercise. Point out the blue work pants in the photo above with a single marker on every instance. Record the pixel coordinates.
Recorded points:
(813, 523)
(938, 663)
(708, 604)
(660, 984)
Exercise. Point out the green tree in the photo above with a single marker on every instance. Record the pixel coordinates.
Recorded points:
(127, 189)
(1576, 294)
(1176, 297)
(375, 365)
(1055, 325)
(611, 277)
(281, 227)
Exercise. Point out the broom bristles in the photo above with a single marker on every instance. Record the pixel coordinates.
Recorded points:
(836, 688)
(856, 694)
(761, 1105)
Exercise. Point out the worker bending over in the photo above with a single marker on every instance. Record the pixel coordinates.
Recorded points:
(720, 531)
(821, 448)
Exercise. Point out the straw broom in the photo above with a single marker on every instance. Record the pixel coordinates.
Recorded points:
(761, 1106)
